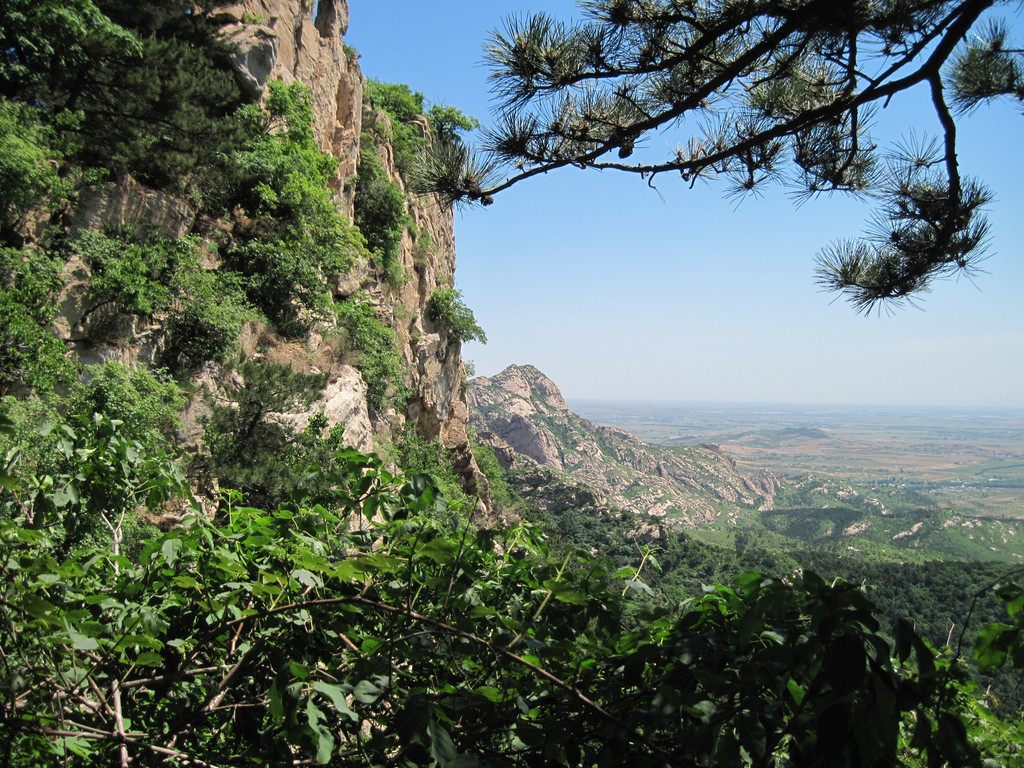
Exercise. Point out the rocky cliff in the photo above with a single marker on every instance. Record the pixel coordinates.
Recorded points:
(299, 41)
(521, 413)
(290, 41)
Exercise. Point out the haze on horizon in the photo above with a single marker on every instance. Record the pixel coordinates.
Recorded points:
(620, 292)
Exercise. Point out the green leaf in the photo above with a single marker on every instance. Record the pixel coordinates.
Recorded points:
(307, 578)
(81, 642)
(366, 692)
(635, 585)
(442, 748)
(78, 746)
(38, 608)
(573, 597)
(796, 691)
(322, 737)
(337, 698)
(993, 644)
(903, 633)
(749, 577)
(170, 550)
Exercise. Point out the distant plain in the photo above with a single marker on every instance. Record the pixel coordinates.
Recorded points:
(971, 460)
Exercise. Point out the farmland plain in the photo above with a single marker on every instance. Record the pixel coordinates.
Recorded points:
(971, 460)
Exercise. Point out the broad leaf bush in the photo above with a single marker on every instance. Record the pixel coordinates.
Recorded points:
(374, 629)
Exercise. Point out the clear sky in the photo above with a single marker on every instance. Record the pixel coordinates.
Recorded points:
(616, 291)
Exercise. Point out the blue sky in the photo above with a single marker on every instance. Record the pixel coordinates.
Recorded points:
(618, 292)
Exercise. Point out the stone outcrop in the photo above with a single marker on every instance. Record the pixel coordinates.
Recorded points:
(299, 41)
(127, 204)
(288, 40)
(343, 402)
(435, 374)
(523, 416)
(282, 39)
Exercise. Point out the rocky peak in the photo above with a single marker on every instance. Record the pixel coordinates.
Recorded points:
(522, 414)
(522, 389)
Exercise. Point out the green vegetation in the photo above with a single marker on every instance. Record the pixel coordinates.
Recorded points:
(380, 211)
(287, 635)
(377, 360)
(446, 308)
(205, 319)
(140, 88)
(318, 608)
(416, 454)
(289, 233)
(28, 176)
(30, 355)
(249, 449)
(402, 106)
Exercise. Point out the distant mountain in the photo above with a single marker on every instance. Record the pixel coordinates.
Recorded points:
(521, 414)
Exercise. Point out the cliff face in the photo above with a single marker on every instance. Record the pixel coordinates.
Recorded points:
(523, 415)
(282, 39)
(432, 360)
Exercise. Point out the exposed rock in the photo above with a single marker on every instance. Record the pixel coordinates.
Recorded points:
(284, 41)
(254, 56)
(310, 50)
(342, 402)
(128, 204)
(74, 295)
(505, 454)
(523, 411)
(357, 278)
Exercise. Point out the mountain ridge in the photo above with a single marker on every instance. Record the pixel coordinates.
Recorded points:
(522, 415)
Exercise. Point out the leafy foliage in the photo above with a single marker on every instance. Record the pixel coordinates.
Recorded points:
(380, 211)
(205, 319)
(204, 309)
(291, 234)
(449, 122)
(417, 455)
(251, 448)
(446, 308)
(46, 44)
(102, 476)
(378, 360)
(402, 106)
(284, 636)
(161, 114)
(145, 403)
(29, 353)
(131, 274)
(28, 172)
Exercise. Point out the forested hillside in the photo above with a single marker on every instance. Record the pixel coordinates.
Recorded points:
(242, 521)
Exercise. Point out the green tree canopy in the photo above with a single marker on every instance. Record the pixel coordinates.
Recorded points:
(755, 93)
(141, 86)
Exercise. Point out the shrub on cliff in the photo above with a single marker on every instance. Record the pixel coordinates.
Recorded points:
(289, 234)
(446, 308)
(376, 354)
